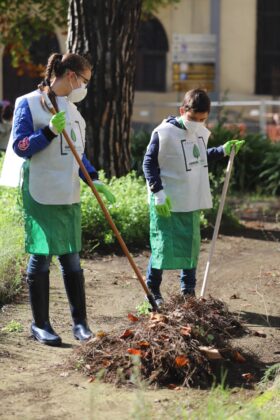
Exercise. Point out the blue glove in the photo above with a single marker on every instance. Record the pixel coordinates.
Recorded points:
(105, 191)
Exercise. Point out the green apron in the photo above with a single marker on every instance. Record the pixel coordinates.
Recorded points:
(175, 240)
(50, 229)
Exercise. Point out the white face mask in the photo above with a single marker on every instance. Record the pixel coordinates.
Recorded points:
(78, 94)
(193, 126)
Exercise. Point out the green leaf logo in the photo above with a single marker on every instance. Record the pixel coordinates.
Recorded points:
(196, 152)
(73, 135)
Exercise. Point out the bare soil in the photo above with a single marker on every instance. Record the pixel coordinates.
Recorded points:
(35, 382)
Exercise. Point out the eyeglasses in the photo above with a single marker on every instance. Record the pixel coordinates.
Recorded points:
(85, 80)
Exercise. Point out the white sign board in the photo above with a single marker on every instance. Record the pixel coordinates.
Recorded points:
(194, 48)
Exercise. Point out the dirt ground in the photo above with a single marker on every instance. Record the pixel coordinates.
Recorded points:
(35, 383)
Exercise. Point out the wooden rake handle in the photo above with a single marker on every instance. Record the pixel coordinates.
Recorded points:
(150, 297)
(218, 221)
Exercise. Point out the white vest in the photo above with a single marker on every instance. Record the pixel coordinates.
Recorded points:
(54, 172)
(183, 166)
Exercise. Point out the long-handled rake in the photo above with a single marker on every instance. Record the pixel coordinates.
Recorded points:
(54, 110)
(218, 221)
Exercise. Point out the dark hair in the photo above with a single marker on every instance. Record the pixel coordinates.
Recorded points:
(58, 64)
(197, 100)
(7, 113)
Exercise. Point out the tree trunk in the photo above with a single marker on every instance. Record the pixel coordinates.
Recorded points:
(106, 30)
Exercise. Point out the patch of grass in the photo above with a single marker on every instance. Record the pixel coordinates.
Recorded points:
(223, 403)
(13, 327)
(144, 308)
(12, 257)
(271, 374)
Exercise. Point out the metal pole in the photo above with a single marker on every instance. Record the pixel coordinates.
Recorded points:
(218, 221)
(263, 118)
(215, 29)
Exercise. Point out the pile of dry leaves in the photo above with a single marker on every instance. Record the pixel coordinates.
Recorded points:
(180, 346)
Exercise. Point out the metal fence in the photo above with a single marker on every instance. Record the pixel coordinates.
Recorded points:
(250, 116)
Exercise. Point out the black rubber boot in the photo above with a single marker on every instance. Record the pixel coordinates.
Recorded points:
(75, 288)
(155, 291)
(41, 328)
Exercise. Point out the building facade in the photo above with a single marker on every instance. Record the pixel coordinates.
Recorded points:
(229, 47)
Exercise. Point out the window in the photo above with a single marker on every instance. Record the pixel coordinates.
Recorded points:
(268, 48)
(151, 57)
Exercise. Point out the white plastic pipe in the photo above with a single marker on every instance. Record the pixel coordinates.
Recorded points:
(218, 221)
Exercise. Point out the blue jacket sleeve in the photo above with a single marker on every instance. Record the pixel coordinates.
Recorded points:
(26, 141)
(215, 153)
(150, 165)
(90, 168)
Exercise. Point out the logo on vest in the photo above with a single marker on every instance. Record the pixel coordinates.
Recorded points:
(73, 135)
(196, 152)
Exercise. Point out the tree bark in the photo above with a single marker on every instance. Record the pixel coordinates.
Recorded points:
(106, 30)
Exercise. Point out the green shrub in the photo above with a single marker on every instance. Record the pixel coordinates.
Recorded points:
(256, 167)
(12, 257)
(130, 214)
(270, 171)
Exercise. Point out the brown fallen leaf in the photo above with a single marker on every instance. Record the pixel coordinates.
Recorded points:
(91, 379)
(134, 352)
(238, 357)
(143, 343)
(211, 353)
(153, 325)
(158, 318)
(100, 334)
(127, 333)
(249, 377)
(186, 331)
(132, 318)
(182, 361)
(164, 337)
(106, 363)
(259, 334)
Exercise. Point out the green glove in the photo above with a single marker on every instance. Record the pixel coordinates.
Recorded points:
(104, 190)
(58, 122)
(162, 204)
(237, 144)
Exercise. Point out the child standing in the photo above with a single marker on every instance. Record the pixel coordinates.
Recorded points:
(51, 190)
(176, 169)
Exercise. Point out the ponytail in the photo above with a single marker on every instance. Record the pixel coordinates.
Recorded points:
(57, 65)
(54, 67)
